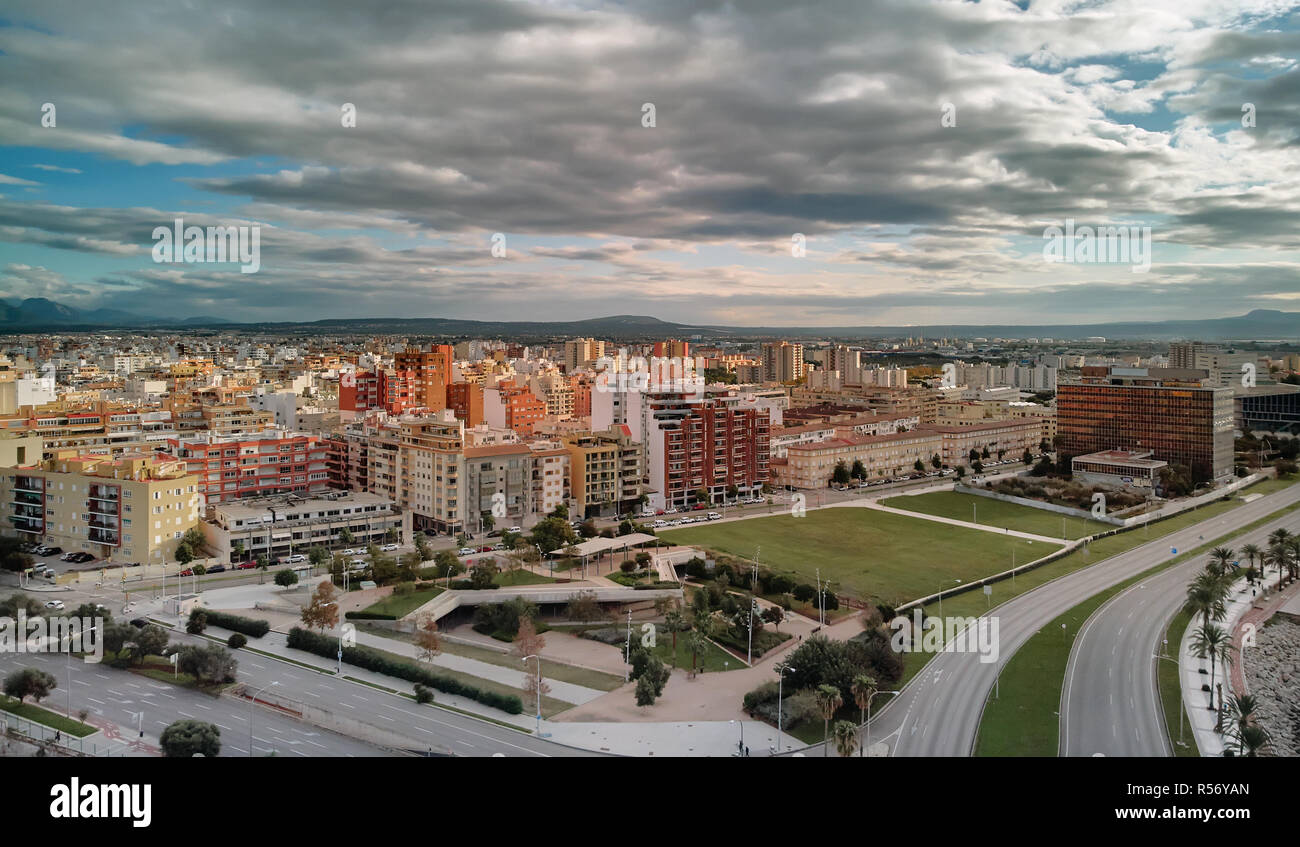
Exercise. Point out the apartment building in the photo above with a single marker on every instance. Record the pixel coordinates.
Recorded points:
(582, 353)
(102, 428)
(513, 407)
(430, 372)
(131, 508)
(280, 526)
(782, 362)
(811, 465)
(607, 471)
(234, 467)
(465, 399)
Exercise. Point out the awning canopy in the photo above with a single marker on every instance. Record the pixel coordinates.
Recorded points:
(597, 545)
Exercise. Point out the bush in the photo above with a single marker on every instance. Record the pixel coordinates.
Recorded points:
(403, 588)
(373, 660)
(423, 694)
(236, 640)
(804, 593)
(765, 693)
(197, 623)
(248, 626)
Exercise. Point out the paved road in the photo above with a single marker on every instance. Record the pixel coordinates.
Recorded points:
(938, 714)
(117, 696)
(1110, 700)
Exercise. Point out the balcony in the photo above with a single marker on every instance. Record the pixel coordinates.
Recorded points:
(26, 498)
(29, 485)
(103, 536)
(100, 492)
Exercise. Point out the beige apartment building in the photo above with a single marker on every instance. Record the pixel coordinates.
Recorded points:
(606, 471)
(132, 508)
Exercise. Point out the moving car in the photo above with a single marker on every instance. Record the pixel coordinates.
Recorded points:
(139, 623)
(388, 548)
(245, 566)
(466, 551)
(186, 572)
(294, 559)
(54, 604)
(216, 569)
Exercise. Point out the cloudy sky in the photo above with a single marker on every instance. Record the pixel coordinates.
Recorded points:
(920, 148)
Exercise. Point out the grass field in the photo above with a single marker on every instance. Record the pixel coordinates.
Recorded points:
(866, 553)
(37, 714)
(521, 577)
(401, 605)
(950, 504)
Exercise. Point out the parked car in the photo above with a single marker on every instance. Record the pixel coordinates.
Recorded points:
(488, 548)
(245, 566)
(139, 623)
(433, 533)
(216, 569)
(515, 529)
(296, 558)
(659, 523)
(351, 552)
(54, 604)
(48, 551)
(496, 533)
(388, 548)
(466, 551)
(496, 547)
(81, 557)
(186, 572)
(358, 565)
(714, 516)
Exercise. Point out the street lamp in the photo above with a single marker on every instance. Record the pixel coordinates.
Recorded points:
(780, 672)
(68, 654)
(252, 701)
(539, 690)
(868, 724)
(741, 749)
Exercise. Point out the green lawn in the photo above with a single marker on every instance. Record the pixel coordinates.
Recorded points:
(401, 605)
(950, 504)
(36, 714)
(1171, 695)
(866, 553)
(520, 577)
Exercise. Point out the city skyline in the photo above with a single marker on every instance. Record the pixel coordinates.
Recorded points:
(922, 150)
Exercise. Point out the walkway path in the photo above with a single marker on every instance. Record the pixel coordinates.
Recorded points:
(872, 504)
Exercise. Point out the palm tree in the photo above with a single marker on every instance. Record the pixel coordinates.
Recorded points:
(1252, 552)
(846, 738)
(1211, 641)
(1221, 558)
(697, 644)
(1292, 547)
(674, 620)
(1241, 711)
(829, 701)
(1205, 595)
(1251, 740)
(1277, 557)
(863, 687)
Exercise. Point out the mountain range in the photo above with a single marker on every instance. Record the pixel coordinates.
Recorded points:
(39, 314)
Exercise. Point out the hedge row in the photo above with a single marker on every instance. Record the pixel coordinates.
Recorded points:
(369, 616)
(248, 626)
(373, 660)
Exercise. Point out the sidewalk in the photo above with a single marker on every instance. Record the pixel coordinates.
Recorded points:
(872, 504)
(1200, 704)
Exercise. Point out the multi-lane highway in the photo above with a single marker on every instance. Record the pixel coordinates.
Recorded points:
(938, 713)
(1110, 699)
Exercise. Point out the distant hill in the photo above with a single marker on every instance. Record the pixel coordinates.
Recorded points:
(37, 314)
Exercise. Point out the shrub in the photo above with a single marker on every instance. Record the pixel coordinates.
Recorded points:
(423, 694)
(197, 623)
(804, 593)
(248, 626)
(373, 660)
(236, 640)
(403, 588)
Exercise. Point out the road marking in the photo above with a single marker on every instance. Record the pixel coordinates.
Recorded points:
(100, 702)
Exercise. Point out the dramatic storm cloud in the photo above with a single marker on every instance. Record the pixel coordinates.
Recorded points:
(821, 163)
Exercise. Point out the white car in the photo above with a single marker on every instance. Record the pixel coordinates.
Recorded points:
(714, 516)
(351, 552)
(295, 559)
(388, 548)
(466, 551)
(54, 604)
(515, 529)
(659, 523)
(358, 565)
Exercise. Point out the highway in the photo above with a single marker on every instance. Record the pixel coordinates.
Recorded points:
(938, 713)
(1110, 701)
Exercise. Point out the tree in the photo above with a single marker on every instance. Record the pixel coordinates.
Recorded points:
(863, 688)
(918, 466)
(936, 462)
(30, 682)
(1221, 559)
(978, 467)
(12, 558)
(846, 738)
(186, 738)
(697, 643)
(345, 537)
(150, 641)
(237, 551)
(184, 554)
(209, 665)
(489, 522)
(840, 476)
(422, 547)
(427, 640)
(318, 556)
(1205, 597)
(285, 578)
(1211, 641)
(483, 575)
(322, 612)
(583, 607)
(774, 615)
(528, 643)
(828, 702)
(645, 691)
(236, 640)
(961, 471)
(553, 533)
(198, 621)
(858, 471)
(263, 564)
(1026, 458)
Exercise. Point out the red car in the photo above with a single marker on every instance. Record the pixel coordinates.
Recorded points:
(486, 548)
(186, 572)
(245, 566)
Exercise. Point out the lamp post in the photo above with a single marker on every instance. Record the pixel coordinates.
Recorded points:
(741, 745)
(780, 672)
(68, 654)
(539, 690)
(868, 725)
(252, 702)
